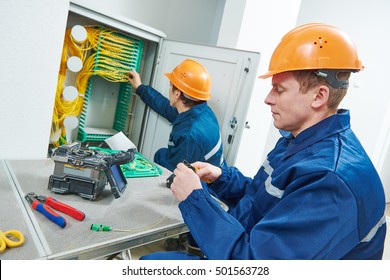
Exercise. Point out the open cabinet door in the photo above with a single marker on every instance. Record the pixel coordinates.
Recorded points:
(233, 73)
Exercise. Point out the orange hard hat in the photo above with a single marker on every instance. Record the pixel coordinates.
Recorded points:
(314, 46)
(192, 79)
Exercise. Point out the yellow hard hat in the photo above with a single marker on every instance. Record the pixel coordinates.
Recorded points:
(192, 79)
(314, 46)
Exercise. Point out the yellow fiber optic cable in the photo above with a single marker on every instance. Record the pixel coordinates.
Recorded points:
(104, 53)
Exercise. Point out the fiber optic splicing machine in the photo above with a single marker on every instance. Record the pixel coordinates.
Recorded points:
(85, 171)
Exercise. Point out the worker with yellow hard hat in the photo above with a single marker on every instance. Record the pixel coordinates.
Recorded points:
(317, 195)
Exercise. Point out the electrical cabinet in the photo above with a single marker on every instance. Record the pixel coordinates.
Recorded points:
(112, 106)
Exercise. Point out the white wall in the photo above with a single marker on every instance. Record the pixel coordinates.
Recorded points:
(31, 35)
(184, 20)
(261, 27)
(230, 25)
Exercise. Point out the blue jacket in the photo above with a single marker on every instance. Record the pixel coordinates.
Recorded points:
(317, 196)
(195, 134)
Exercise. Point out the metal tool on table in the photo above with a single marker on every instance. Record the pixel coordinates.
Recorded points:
(10, 238)
(41, 204)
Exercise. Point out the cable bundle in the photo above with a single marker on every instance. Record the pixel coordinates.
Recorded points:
(62, 107)
(113, 57)
(105, 53)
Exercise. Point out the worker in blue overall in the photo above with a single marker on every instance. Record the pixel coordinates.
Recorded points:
(195, 134)
(195, 131)
(317, 195)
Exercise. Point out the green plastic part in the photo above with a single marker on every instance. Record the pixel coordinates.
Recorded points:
(99, 227)
(139, 167)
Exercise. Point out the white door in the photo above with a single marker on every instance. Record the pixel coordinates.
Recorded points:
(233, 73)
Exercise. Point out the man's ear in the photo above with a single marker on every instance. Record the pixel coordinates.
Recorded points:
(177, 93)
(321, 96)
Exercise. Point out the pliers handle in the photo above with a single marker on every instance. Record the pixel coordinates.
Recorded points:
(42, 203)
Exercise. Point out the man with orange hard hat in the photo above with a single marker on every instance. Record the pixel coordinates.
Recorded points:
(317, 195)
(195, 134)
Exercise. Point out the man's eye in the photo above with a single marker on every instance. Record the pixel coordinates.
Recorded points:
(277, 89)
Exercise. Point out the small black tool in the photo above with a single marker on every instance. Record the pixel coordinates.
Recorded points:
(169, 180)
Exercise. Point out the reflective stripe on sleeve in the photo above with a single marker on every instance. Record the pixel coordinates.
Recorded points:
(214, 150)
(271, 189)
(373, 231)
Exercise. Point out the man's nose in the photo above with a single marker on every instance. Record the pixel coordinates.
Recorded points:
(268, 99)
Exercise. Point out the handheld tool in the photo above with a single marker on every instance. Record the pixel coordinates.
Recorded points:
(41, 204)
(195, 169)
(11, 238)
(186, 163)
(170, 178)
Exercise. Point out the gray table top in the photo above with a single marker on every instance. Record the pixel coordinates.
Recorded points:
(13, 216)
(147, 210)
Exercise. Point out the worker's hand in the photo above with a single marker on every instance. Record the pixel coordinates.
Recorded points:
(207, 172)
(185, 181)
(134, 79)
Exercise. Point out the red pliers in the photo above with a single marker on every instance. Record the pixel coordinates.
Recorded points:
(41, 204)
